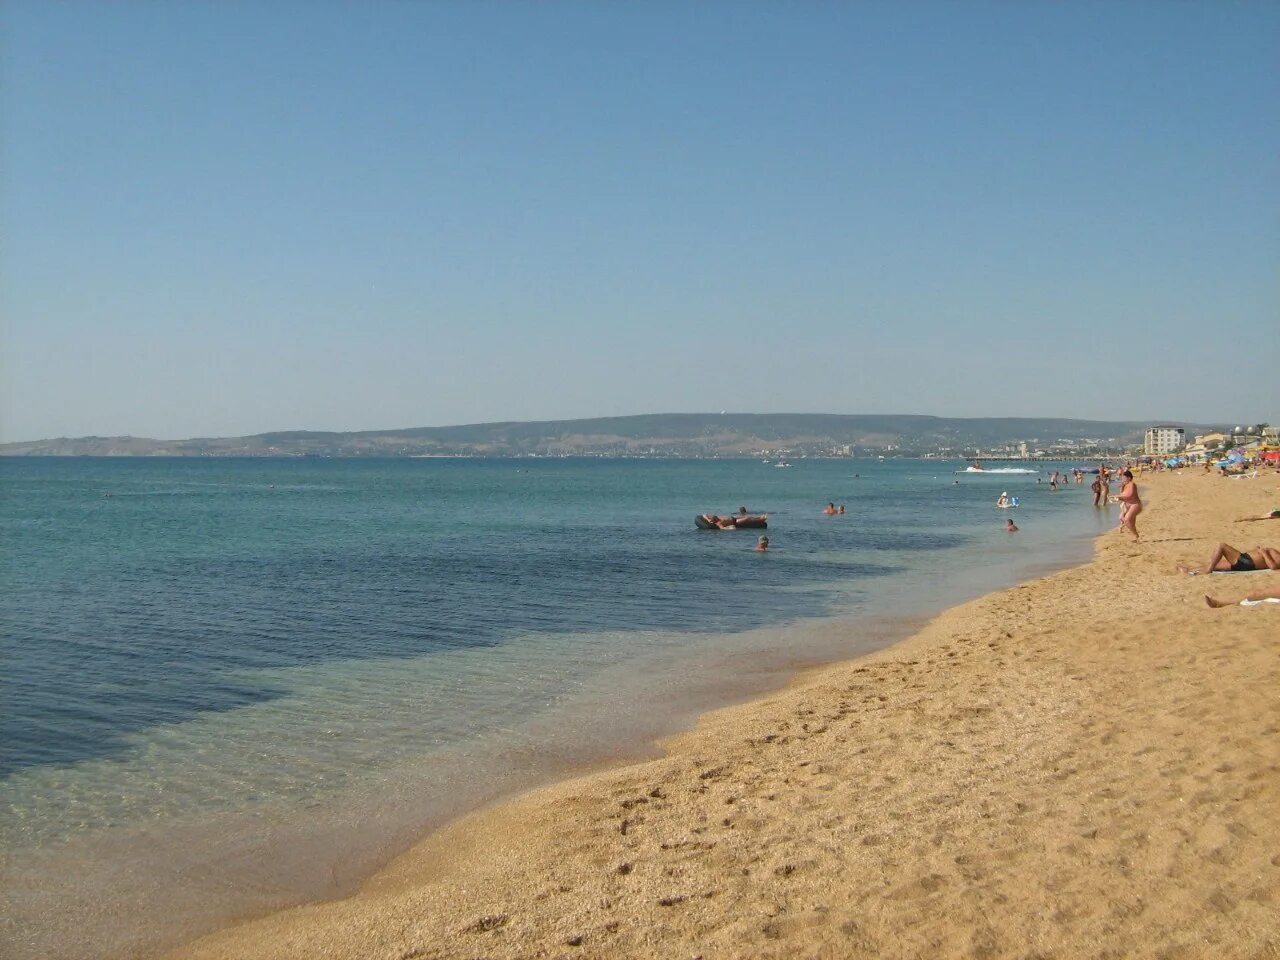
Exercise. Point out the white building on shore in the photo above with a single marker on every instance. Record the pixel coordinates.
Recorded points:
(1163, 439)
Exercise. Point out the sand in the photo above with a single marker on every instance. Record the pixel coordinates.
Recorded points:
(1087, 765)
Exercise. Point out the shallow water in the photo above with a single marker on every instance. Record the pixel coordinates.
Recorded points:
(231, 685)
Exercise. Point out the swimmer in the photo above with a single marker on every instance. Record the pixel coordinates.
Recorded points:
(762, 545)
(830, 510)
(1010, 526)
(1003, 499)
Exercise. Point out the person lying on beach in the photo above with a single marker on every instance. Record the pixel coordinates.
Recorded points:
(1227, 559)
(1258, 596)
(1273, 515)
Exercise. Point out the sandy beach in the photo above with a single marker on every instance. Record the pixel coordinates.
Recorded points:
(1087, 765)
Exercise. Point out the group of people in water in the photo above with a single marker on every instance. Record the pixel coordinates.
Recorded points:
(1129, 499)
(1225, 559)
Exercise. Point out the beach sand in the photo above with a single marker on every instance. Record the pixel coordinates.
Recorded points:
(1087, 765)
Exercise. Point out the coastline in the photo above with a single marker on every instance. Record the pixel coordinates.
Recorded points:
(1055, 765)
(149, 886)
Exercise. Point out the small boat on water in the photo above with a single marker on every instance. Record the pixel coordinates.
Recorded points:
(733, 521)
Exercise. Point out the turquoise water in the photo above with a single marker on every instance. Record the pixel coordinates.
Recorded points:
(233, 684)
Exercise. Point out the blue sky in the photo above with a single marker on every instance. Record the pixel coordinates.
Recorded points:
(223, 218)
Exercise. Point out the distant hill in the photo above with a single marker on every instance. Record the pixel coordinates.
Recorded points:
(669, 434)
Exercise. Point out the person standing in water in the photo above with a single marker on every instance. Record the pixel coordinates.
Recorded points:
(762, 545)
(1130, 504)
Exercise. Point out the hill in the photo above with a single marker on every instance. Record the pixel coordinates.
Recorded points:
(678, 434)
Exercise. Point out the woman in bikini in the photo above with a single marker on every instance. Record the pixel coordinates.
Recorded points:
(1131, 504)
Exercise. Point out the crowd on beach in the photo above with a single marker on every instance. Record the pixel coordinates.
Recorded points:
(1225, 557)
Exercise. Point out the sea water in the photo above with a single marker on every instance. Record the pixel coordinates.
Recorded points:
(232, 685)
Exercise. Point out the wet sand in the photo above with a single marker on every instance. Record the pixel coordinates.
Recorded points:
(1086, 765)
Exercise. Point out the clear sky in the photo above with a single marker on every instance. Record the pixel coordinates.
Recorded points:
(223, 218)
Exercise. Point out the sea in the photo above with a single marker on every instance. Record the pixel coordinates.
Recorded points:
(234, 685)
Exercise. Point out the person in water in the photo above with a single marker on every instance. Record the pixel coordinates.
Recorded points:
(1010, 526)
(841, 510)
(1130, 504)
(830, 510)
(1096, 487)
(762, 545)
(1227, 559)
(723, 523)
(1003, 499)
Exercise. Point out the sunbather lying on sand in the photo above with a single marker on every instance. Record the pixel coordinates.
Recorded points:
(1258, 596)
(1227, 559)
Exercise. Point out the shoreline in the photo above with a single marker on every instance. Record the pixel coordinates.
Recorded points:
(631, 860)
(711, 677)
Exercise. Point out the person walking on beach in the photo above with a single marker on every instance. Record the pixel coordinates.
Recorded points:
(1130, 504)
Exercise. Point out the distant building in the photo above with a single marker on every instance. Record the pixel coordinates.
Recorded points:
(1162, 439)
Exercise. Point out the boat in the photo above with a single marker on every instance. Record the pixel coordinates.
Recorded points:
(733, 521)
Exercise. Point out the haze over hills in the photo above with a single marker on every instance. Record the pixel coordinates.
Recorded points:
(676, 434)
